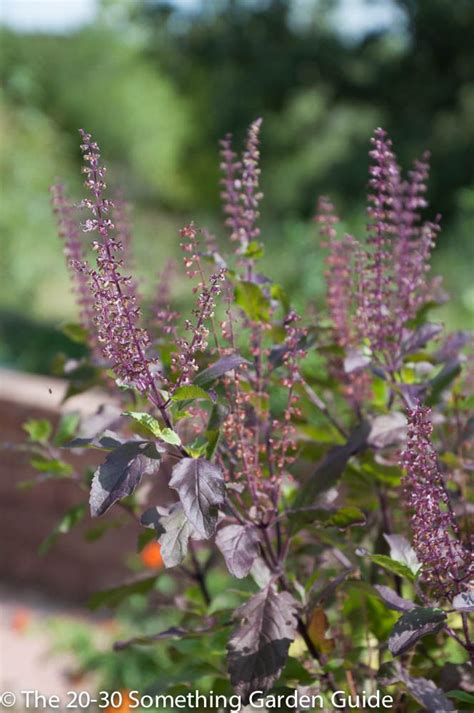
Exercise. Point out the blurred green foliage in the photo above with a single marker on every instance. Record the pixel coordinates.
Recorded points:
(159, 84)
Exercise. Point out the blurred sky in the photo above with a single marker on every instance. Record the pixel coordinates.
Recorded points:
(354, 17)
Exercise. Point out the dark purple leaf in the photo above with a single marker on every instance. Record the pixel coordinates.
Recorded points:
(116, 595)
(240, 546)
(258, 648)
(219, 368)
(106, 440)
(425, 692)
(453, 345)
(413, 626)
(428, 695)
(412, 393)
(120, 474)
(393, 600)
(332, 466)
(441, 381)
(322, 590)
(152, 518)
(174, 632)
(200, 486)
(418, 338)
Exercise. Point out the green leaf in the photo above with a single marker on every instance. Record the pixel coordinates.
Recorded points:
(39, 430)
(212, 442)
(346, 517)
(114, 596)
(169, 436)
(295, 672)
(251, 299)
(67, 427)
(278, 293)
(145, 420)
(67, 522)
(144, 538)
(189, 392)
(75, 332)
(392, 566)
(52, 466)
(254, 250)
(151, 424)
(461, 696)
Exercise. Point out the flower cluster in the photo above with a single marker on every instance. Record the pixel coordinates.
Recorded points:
(393, 283)
(341, 298)
(123, 342)
(374, 289)
(184, 359)
(164, 319)
(447, 562)
(75, 254)
(256, 471)
(283, 447)
(241, 195)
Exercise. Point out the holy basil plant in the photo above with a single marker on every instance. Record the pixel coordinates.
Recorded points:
(323, 462)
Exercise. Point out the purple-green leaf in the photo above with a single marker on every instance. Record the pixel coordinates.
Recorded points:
(258, 647)
(412, 626)
(174, 540)
(201, 489)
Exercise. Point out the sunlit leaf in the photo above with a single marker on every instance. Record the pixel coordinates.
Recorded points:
(412, 626)
(120, 474)
(200, 486)
(240, 546)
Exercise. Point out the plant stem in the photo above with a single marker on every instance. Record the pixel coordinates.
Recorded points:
(199, 575)
(387, 526)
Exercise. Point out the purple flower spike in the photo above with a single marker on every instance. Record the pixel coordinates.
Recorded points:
(117, 315)
(339, 274)
(74, 251)
(241, 195)
(393, 281)
(447, 562)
